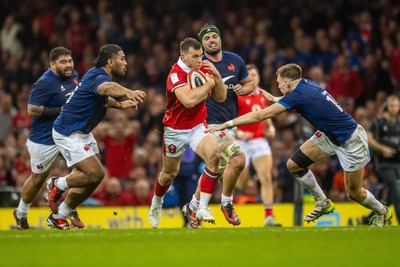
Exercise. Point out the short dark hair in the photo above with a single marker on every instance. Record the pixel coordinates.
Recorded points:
(106, 52)
(189, 43)
(290, 71)
(57, 52)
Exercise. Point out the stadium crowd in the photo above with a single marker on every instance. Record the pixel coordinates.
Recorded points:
(352, 48)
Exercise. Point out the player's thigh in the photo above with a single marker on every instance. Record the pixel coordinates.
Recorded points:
(207, 148)
(312, 151)
(90, 166)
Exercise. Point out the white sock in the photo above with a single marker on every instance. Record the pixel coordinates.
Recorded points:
(64, 210)
(194, 204)
(61, 183)
(204, 199)
(310, 183)
(370, 202)
(157, 200)
(225, 200)
(22, 210)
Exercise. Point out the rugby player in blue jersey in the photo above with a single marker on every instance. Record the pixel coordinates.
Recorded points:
(232, 159)
(337, 133)
(48, 95)
(72, 131)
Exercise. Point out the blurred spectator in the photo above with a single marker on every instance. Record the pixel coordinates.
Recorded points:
(112, 193)
(119, 141)
(7, 112)
(344, 81)
(11, 34)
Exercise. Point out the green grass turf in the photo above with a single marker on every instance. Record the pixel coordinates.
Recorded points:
(296, 246)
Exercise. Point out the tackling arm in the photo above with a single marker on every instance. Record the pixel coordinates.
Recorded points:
(251, 117)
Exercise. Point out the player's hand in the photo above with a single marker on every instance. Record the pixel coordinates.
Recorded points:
(388, 152)
(270, 132)
(216, 127)
(129, 104)
(245, 136)
(267, 95)
(138, 96)
(210, 80)
(210, 67)
(238, 89)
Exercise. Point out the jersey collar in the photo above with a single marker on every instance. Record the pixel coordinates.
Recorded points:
(183, 66)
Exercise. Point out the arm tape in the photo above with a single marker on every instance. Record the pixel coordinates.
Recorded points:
(50, 113)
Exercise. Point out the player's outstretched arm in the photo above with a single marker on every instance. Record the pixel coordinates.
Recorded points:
(251, 117)
(116, 90)
(269, 97)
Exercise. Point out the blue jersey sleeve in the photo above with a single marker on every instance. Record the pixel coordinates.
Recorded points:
(39, 94)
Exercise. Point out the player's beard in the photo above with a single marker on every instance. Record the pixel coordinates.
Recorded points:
(118, 73)
(213, 52)
(62, 74)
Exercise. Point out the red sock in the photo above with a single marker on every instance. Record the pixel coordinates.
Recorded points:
(160, 190)
(208, 181)
(268, 211)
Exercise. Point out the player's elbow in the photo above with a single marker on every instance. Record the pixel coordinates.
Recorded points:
(220, 99)
(190, 104)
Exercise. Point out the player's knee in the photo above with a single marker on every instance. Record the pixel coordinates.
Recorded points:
(265, 178)
(298, 162)
(38, 179)
(238, 162)
(96, 176)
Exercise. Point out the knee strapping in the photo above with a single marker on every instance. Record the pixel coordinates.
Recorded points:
(301, 159)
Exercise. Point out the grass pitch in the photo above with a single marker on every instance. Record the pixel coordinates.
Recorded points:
(287, 246)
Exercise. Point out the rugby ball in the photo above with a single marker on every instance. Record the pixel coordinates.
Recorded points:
(196, 78)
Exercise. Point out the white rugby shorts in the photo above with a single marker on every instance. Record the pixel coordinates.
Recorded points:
(176, 141)
(353, 155)
(76, 146)
(42, 156)
(255, 148)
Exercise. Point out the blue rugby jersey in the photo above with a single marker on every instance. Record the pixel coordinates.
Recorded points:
(318, 107)
(85, 108)
(232, 69)
(49, 90)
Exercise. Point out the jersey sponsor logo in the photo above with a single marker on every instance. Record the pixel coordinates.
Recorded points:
(171, 148)
(86, 148)
(39, 166)
(231, 67)
(174, 78)
(227, 78)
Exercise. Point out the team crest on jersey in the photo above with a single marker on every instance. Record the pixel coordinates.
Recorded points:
(39, 167)
(62, 88)
(231, 67)
(86, 148)
(174, 78)
(171, 148)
